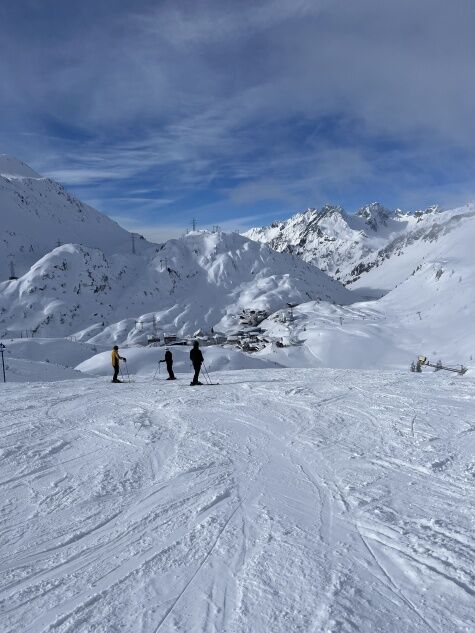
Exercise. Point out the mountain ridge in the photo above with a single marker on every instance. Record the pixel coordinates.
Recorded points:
(38, 214)
(347, 246)
(78, 272)
(202, 280)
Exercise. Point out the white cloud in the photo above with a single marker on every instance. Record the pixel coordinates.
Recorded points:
(215, 94)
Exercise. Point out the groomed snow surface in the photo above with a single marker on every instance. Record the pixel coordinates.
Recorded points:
(279, 500)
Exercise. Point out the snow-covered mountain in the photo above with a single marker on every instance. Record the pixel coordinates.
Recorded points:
(78, 272)
(421, 235)
(348, 246)
(96, 288)
(330, 238)
(430, 311)
(202, 280)
(38, 213)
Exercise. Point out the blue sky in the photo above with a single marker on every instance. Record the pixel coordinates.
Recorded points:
(240, 112)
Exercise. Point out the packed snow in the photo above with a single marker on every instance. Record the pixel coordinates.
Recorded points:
(279, 500)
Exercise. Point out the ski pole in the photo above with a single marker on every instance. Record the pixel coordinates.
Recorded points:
(207, 374)
(157, 369)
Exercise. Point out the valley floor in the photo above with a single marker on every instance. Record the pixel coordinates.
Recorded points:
(278, 501)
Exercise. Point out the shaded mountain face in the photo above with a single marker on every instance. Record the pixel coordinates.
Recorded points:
(347, 246)
(37, 214)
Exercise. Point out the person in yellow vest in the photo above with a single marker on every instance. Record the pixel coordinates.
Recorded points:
(115, 362)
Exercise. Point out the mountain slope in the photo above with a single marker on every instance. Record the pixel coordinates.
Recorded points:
(36, 213)
(348, 246)
(330, 238)
(202, 280)
(430, 311)
(428, 234)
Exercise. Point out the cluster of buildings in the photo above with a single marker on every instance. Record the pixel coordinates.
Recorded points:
(247, 336)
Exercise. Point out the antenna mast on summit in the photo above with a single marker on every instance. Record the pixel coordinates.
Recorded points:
(12, 271)
(193, 224)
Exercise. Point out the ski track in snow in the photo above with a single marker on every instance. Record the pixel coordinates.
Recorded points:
(280, 500)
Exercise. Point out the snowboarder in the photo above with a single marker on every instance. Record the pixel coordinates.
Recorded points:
(197, 359)
(169, 364)
(115, 362)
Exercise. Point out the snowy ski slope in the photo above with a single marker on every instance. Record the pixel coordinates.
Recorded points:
(279, 501)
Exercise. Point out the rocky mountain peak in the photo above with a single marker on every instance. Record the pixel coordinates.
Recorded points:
(332, 210)
(375, 215)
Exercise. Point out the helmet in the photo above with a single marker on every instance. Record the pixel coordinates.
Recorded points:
(196, 344)
(115, 347)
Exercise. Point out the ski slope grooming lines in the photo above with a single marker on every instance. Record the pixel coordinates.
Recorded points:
(283, 500)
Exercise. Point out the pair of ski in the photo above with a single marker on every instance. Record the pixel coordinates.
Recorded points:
(203, 384)
(206, 375)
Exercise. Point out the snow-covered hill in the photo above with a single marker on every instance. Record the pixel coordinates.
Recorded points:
(348, 246)
(38, 213)
(202, 280)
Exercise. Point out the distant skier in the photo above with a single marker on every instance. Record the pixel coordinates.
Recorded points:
(115, 362)
(420, 361)
(197, 359)
(169, 364)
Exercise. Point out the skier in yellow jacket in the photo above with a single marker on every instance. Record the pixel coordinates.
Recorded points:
(115, 362)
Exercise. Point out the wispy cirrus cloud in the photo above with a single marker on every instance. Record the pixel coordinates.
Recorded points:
(236, 110)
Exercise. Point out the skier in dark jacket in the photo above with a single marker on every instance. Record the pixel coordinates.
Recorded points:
(169, 364)
(197, 359)
(115, 362)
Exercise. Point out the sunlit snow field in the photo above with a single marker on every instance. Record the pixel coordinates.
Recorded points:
(279, 500)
